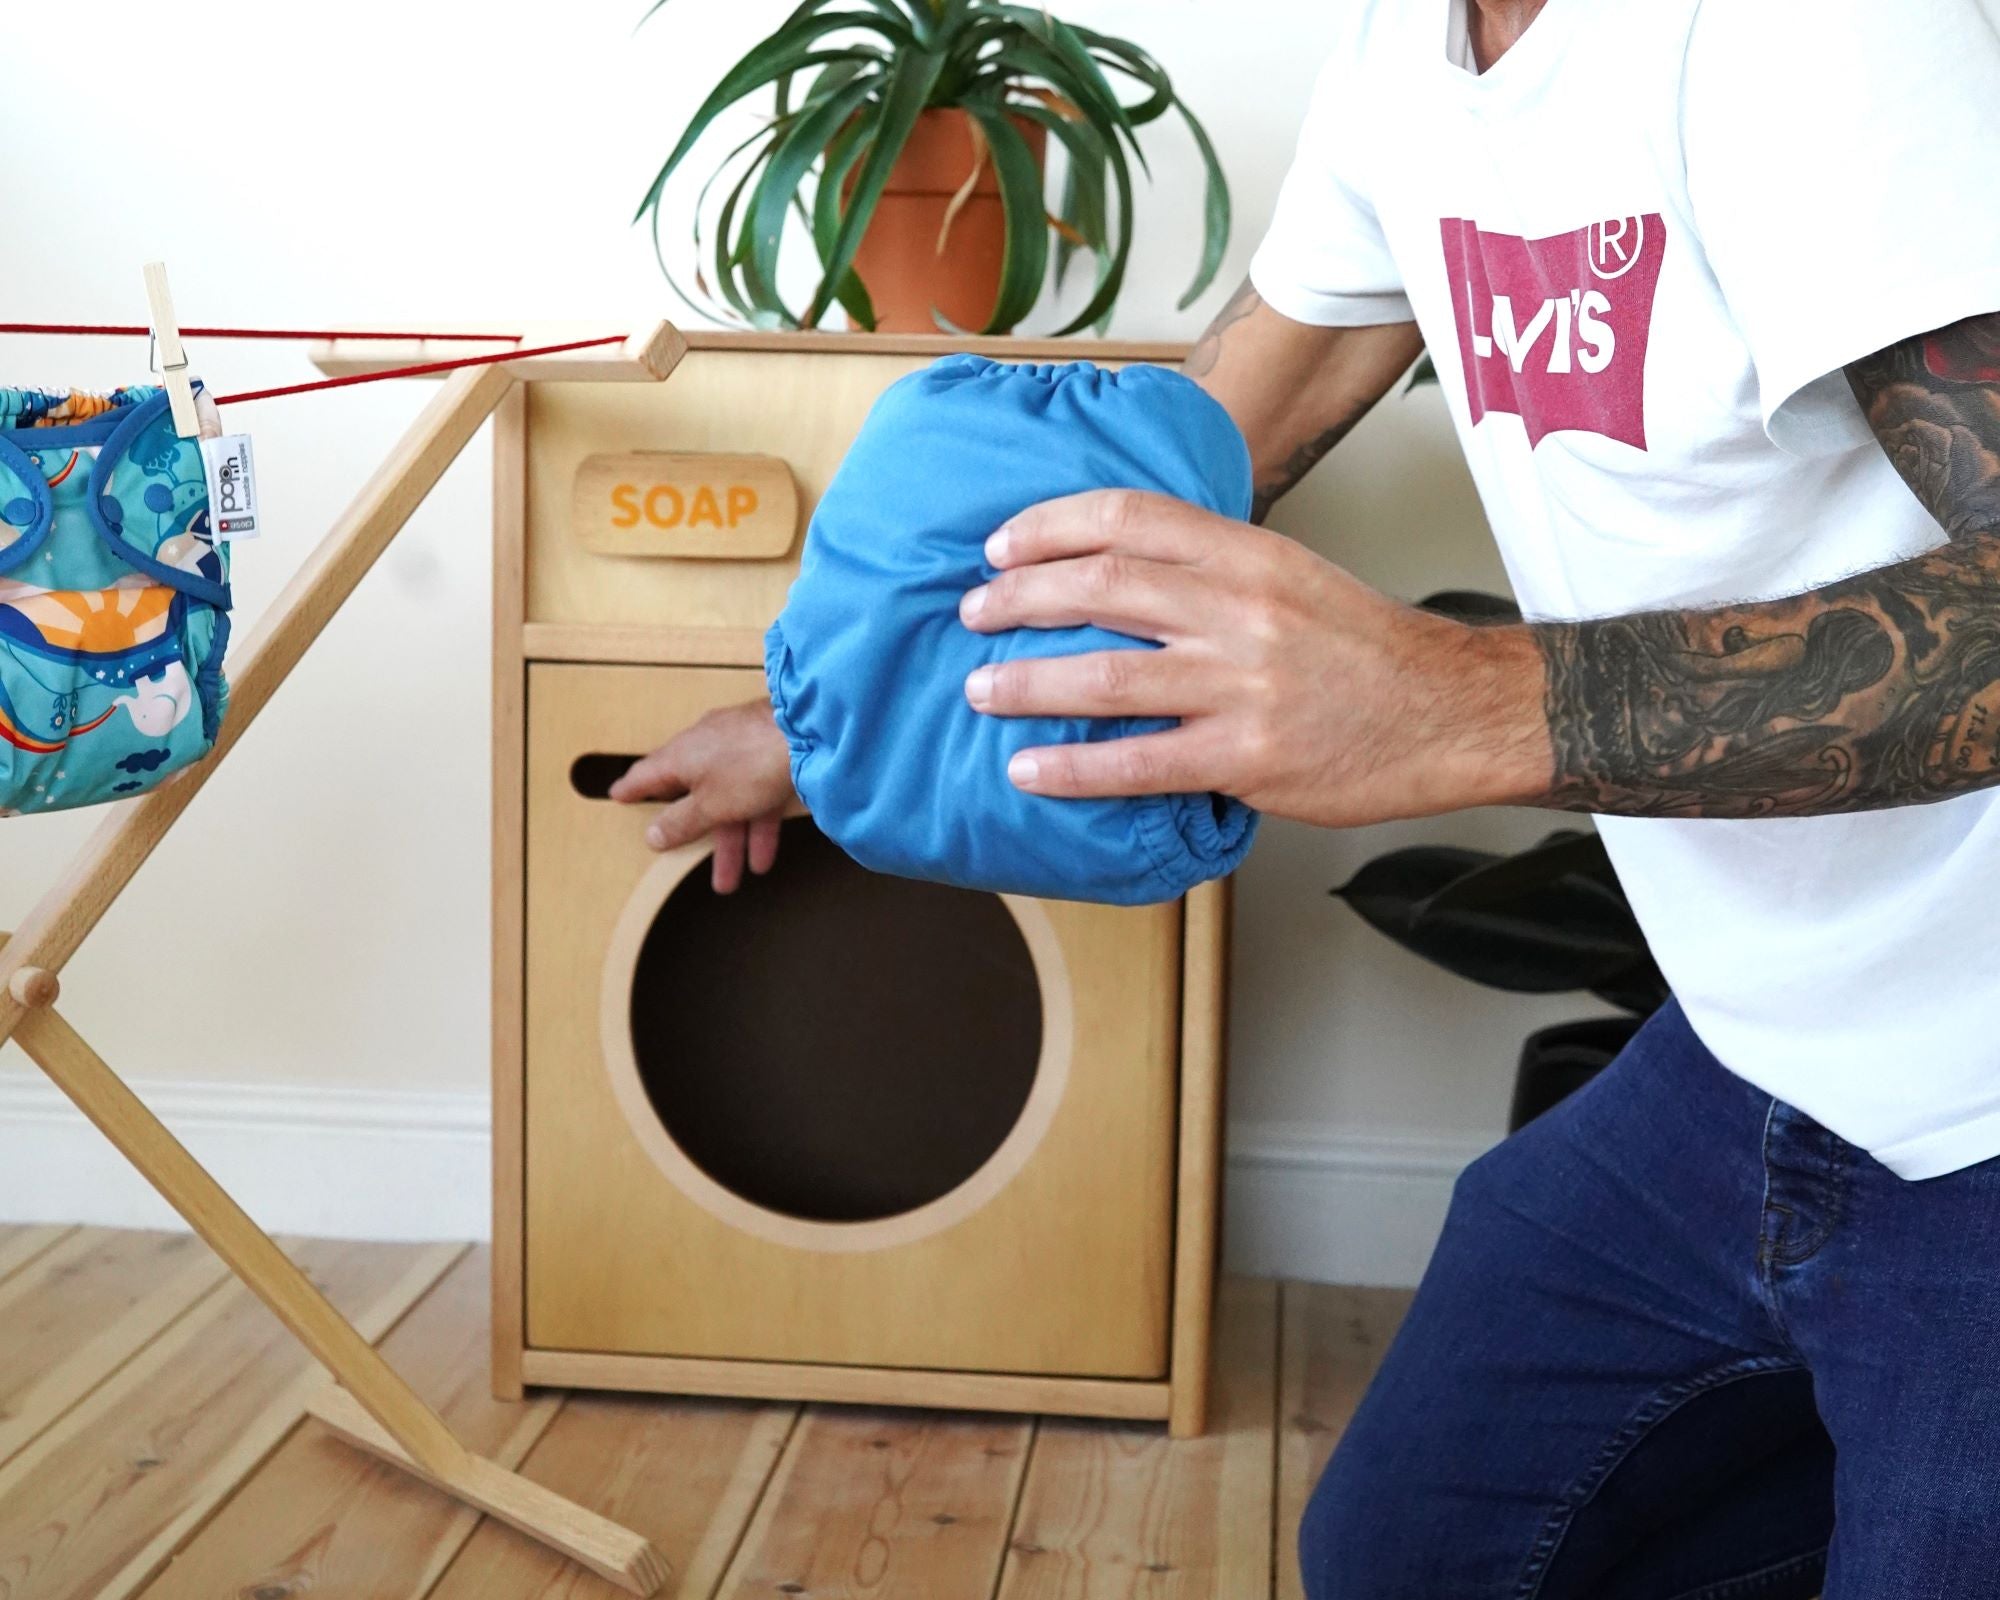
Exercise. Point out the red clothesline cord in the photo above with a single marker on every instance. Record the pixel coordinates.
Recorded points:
(401, 337)
(140, 329)
(418, 372)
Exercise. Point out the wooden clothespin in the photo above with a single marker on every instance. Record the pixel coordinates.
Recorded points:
(172, 358)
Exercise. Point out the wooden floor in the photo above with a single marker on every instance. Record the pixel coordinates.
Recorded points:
(152, 1445)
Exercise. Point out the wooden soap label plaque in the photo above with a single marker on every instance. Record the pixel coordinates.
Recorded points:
(704, 507)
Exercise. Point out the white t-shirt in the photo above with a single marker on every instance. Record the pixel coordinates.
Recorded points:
(1652, 235)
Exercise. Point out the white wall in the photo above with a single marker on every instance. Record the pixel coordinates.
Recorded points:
(318, 921)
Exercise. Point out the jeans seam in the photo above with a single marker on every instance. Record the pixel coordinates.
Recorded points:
(1748, 1582)
(1767, 1244)
(1655, 1410)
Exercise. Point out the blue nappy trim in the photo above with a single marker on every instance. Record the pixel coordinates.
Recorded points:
(866, 666)
(107, 514)
(34, 489)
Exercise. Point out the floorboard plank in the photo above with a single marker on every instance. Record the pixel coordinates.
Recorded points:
(1120, 1512)
(320, 1517)
(21, 1243)
(94, 1506)
(1334, 1339)
(687, 1474)
(80, 1310)
(885, 1505)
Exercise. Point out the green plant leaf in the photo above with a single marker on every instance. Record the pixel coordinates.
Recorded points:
(1566, 931)
(1567, 854)
(1083, 181)
(915, 54)
(848, 147)
(1129, 59)
(762, 135)
(788, 50)
(1215, 213)
(729, 252)
(1069, 66)
(902, 101)
(1025, 263)
(1470, 605)
(791, 159)
(1111, 276)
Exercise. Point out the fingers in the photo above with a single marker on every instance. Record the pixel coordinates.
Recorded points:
(1127, 594)
(1152, 526)
(654, 777)
(1106, 683)
(731, 847)
(678, 824)
(1150, 763)
(764, 843)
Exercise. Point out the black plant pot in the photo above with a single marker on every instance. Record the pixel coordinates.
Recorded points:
(1558, 1061)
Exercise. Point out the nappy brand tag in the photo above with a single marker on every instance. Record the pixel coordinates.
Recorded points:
(232, 487)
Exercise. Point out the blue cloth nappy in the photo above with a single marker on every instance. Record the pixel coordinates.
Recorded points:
(114, 599)
(867, 664)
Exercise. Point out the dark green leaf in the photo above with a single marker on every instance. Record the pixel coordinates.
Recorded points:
(1111, 277)
(794, 156)
(1128, 58)
(786, 51)
(1470, 605)
(767, 136)
(1568, 855)
(1215, 213)
(1070, 68)
(847, 149)
(1569, 932)
(730, 249)
(902, 101)
(1026, 261)
(1641, 989)
(1083, 204)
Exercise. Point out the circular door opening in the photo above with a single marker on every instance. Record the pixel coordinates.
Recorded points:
(832, 1045)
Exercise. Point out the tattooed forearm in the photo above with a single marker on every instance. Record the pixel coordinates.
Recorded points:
(1880, 690)
(1296, 465)
(1208, 348)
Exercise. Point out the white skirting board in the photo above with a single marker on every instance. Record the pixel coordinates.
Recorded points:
(1313, 1203)
(328, 1163)
(1331, 1206)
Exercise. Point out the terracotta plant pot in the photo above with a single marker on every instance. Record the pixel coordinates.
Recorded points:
(899, 259)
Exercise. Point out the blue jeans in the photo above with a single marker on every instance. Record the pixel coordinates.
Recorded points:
(1679, 1342)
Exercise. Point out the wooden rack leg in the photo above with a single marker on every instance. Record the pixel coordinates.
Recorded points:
(589, 1540)
(394, 1419)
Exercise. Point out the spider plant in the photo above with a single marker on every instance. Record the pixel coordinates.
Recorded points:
(850, 79)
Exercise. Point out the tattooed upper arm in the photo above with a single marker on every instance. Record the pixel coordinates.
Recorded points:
(1934, 402)
(1880, 690)
(1294, 389)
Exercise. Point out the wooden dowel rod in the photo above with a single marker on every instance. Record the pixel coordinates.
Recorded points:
(50, 934)
(102, 1096)
(35, 987)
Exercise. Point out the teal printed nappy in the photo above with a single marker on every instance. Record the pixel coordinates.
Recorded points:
(114, 599)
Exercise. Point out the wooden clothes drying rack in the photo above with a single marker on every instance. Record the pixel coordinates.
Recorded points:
(373, 1407)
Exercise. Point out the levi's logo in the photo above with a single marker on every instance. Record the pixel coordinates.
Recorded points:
(1555, 330)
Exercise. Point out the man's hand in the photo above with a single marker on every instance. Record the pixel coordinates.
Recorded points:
(730, 776)
(1298, 688)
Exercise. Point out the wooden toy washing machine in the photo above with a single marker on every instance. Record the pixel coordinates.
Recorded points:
(839, 1136)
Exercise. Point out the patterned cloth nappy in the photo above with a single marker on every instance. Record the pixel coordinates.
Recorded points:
(114, 601)
(867, 664)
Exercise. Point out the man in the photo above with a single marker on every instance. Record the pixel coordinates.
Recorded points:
(1714, 291)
